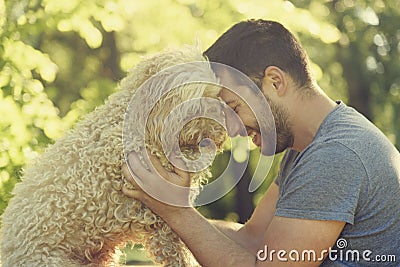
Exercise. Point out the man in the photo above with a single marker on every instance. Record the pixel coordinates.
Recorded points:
(336, 200)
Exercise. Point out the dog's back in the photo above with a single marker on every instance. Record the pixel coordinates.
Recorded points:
(64, 206)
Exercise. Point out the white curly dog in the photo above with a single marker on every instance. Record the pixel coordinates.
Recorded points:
(69, 210)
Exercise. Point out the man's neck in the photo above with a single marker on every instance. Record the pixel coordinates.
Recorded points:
(307, 117)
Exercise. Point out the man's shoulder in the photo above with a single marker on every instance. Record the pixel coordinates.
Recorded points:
(325, 152)
(347, 132)
(347, 142)
(320, 156)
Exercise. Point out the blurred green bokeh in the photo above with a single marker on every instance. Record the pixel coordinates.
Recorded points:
(61, 59)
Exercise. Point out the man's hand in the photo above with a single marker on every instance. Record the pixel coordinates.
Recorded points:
(162, 191)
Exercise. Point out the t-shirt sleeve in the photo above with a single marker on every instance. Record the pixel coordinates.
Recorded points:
(323, 183)
(286, 163)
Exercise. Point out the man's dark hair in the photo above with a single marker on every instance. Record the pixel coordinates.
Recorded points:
(253, 45)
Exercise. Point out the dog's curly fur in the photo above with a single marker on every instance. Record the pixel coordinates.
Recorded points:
(69, 209)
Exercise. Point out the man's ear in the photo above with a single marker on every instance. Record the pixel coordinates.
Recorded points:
(277, 79)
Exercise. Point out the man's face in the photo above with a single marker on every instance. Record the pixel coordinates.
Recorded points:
(284, 137)
(245, 114)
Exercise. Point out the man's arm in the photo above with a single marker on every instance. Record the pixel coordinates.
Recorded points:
(248, 235)
(287, 242)
(209, 245)
(212, 248)
(232, 230)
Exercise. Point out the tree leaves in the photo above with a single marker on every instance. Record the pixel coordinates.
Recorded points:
(60, 59)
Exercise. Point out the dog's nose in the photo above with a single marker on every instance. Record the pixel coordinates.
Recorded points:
(206, 142)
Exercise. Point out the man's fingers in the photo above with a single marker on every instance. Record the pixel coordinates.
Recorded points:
(136, 167)
(177, 162)
(179, 165)
(134, 193)
(130, 192)
(185, 175)
(158, 168)
(130, 177)
(177, 171)
(135, 172)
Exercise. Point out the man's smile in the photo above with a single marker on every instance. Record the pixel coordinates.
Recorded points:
(254, 135)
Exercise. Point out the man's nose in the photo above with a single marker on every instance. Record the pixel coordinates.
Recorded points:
(234, 124)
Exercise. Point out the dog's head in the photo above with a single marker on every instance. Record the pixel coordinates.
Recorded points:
(175, 106)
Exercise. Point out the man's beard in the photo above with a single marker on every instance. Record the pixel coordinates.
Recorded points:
(284, 136)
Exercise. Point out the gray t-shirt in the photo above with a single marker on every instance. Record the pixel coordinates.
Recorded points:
(350, 173)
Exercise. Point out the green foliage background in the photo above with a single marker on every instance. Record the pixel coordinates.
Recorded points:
(60, 59)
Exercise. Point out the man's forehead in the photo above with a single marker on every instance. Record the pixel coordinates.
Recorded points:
(231, 90)
(235, 97)
(229, 78)
(234, 80)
